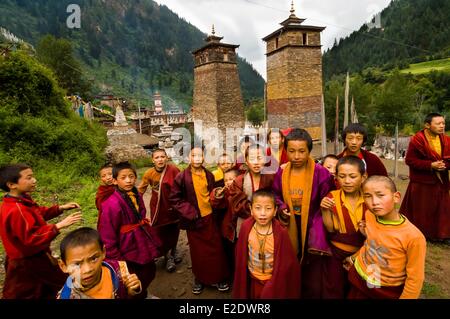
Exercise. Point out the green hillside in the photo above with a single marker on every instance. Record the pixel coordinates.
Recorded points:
(425, 67)
(411, 31)
(129, 47)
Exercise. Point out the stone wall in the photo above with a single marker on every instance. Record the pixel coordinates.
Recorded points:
(294, 88)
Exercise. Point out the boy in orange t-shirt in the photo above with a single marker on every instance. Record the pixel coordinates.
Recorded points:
(391, 264)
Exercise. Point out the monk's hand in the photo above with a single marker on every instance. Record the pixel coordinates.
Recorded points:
(327, 203)
(286, 212)
(347, 263)
(362, 227)
(219, 192)
(133, 284)
(69, 220)
(69, 206)
(438, 165)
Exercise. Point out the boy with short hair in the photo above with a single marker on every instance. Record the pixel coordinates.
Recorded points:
(31, 270)
(190, 199)
(266, 264)
(355, 137)
(330, 162)
(343, 212)
(391, 264)
(162, 218)
(125, 231)
(105, 189)
(224, 164)
(90, 277)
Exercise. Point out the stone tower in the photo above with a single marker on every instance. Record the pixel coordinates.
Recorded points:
(217, 100)
(294, 76)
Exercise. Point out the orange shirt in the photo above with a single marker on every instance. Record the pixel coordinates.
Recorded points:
(260, 243)
(435, 142)
(296, 187)
(393, 254)
(201, 191)
(151, 177)
(104, 289)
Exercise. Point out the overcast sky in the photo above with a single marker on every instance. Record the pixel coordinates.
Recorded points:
(246, 22)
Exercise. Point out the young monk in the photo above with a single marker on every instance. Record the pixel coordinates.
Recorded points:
(162, 219)
(241, 191)
(125, 231)
(219, 201)
(190, 200)
(391, 264)
(105, 189)
(224, 164)
(31, 272)
(299, 188)
(90, 277)
(329, 162)
(342, 213)
(354, 137)
(276, 153)
(266, 264)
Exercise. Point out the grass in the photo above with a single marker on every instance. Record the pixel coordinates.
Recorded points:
(425, 67)
(432, 291)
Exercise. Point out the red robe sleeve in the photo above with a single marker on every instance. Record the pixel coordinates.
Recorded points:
(49, 212)
(238, 201)
(34, 235)
(179, 202)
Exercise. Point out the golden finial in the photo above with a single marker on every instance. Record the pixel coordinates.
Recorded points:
(292, 7)
(213, 32)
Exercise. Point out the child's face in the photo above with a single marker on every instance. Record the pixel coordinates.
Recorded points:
(349, 178)
(354, 141)
(25, 184)
(298, 153)
(196, 158)
(84, 264)
(330, 165)
(229, 178)
(160, 160)
(275, 139)
(225, 163)
(125, 179)
(255, 160)
(263, 210)
(380, 199)
(106, 176)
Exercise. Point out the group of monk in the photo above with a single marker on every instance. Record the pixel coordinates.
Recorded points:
(273, 223)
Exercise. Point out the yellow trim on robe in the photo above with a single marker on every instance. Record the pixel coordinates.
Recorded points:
(435, 142)
(201, 192)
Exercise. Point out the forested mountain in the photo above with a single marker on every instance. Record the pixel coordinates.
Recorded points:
(411, 31)
(128, 47)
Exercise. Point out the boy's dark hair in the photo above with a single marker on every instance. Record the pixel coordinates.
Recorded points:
(79, 237)
(429, 118)
(355, 128)
(254, 147)
(159, 150)
(246, 139)
(299, 134)
(234, 171)
(11, 174)
(328, 156)
(107, 165)
(263, 193)
(380, 178)
(351, 160)
(121, 166)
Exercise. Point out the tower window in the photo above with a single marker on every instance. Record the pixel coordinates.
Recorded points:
(276, 43)
(305, 39)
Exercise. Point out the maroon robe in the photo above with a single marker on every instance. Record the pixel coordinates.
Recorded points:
(162, 217)
(239, 205)
(427, 200)
(374, 166)
(209, 264)
(103, 193)
(273, 164)
(285, 280)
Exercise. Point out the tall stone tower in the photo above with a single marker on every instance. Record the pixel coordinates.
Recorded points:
(294, 76)
(217, 100)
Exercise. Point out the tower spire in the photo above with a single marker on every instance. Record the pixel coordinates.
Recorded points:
(292, 8)
(213, 32)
